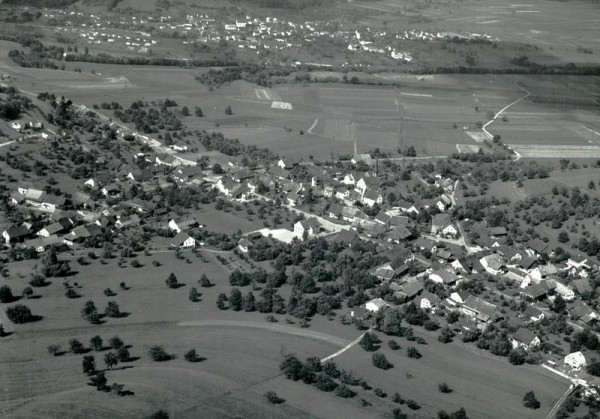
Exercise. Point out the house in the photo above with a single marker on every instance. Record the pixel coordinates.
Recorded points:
(167, 160)
(51, 229)
(461, 265)
(41, 244)
(311, 227)
(335, 210)
(527, 262)
(427, 301)
(349, 179)
(444, 276)
(492, 263)
(582, 286)
(579, 359)
(346, 237)
(244, 244)
(181, 224)
(533, 314)
(127, 221)
(365, 183)
(372, 197)
(480, 310)
(15, 233)
(16, 125)
(411, 289)
(81, 233)
(515, 275)
(112, 189)
(442, 224)
(384, 273)
(375, 305)
(459, 297)
(398, 234)
(497, 231)
(293, 199)
(535, 292)
(278, 173)
(182, 239)
(565, 291)
(406, 206)
(227, 186)
(524, 339)
(581, 311)
(537, 246)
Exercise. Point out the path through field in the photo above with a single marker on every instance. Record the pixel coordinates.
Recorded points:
(344, 349)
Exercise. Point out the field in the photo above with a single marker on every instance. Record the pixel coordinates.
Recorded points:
(242, 354)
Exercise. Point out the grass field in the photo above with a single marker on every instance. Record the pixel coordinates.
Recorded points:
(242, 354)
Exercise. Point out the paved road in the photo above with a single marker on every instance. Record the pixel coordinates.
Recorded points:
(560, 401)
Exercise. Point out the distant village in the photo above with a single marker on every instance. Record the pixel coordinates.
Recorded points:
(140, 34)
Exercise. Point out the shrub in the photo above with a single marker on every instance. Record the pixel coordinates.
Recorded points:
(344, 392)
(380, 393)
(161, 414)
(431, 325)
(412, 352)
(54, 349)
(171, 281)
(325, 383)
(20, 314)
(444, 388)
(115, 342)
(272, 397)
(530, 401)
(380, 361)
(76, 347)
(6, 295)
(370, 342)
(393, 345)
(38, 280)
(158, 354)
(96, 343)
(413, 405)
(192, 356)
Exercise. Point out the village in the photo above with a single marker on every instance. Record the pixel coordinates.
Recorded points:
(140, 34)
(429, 260)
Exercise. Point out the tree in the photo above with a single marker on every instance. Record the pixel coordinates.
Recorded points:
(112, 309)
(228, 111)
(88, 364)
(345, 392)
(221, 299)
(563, 237)
(530, 401)
(171, 281)
(185, 111)
(76, 347)
(192, 356)
(217, 169)
(559, 305)
(6, 295)
(198, 112)
(444, 388)
(117, 389)
(380, 361)
(412, 352)
(194, 295)
(54, 349)
(410, 152)
(516, 357)
(110, 360)
(90, 312)
(235, 299)
(27, 292)
(123, 354)
(19, 314)
(292, 367)
(161, 414)
(98, 380)
(272, 397)
(158, 354)
(446, 335)
(115, 342)
(249, 302)
(324, 382)
(370, 342)
(204, 281)
(96, 343)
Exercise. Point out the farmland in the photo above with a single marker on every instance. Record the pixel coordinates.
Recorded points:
(242, 352)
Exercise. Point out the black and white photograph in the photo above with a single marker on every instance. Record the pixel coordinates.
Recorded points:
(311, 209)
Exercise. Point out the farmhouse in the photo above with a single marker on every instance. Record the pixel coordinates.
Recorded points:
(442, 224)
(182, 239)
(311, 227)
(15, 233)
(375, 305)
(427, 301)
(533, 314)
(50, 230)
(524, 339)
(244, 244)
(579, 359)
(444, 276)
(182, 224)
(480, 310)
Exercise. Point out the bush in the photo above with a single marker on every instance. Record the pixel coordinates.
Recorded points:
(380, 361)
(76, 347)
(161, 414)
(158, 354)
(530, 401)
(96, 343)
(112, 309)
(171, 281)
(412, 352)
(345, 392)
(444, 388)
(393, 345)
(370, 342)
(20, 314)
(54, 349)
(38, 280)
(380, 393)
(192, 356)
(115, 342)
(431, 325)
(446, 335)
(413, 405)
(194, 295)
(272, 397)
(6, 295)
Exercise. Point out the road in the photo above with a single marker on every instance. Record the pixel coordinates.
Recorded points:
(560, 401)
(518, 156)
(344, 349)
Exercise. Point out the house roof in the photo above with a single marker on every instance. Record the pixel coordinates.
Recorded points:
(412, 288)
(582, 285)
(17, 231)
(524, 336)
(527, 262)
(426, 295)
(448, 276)
(485, 311)
(371, 194)
(497, 231)
(441, 220)
(535, 291)
(378, 302)
(537, 245)
(179, 239)
(310, 223)
(244, 242)
(345, 236)
(54, 228)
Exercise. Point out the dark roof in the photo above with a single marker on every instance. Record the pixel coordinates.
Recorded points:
(535, 291)
(485, 311)
(537, 245)
(523, 335)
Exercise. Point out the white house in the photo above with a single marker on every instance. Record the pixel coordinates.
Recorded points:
(575, 360)
(349, 179)
(182, 239)
(244, 244)
(311, 227)
(427, 301)
(566, 292)
(372, 197)
(16, 125)
(375, 305)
